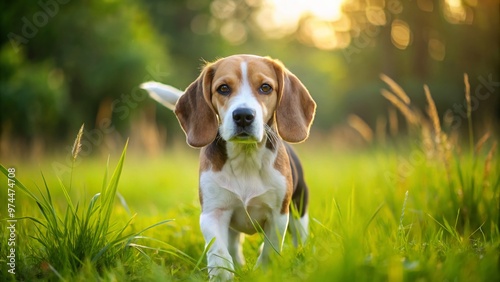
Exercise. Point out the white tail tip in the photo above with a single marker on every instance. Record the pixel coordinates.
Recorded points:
(162, 93)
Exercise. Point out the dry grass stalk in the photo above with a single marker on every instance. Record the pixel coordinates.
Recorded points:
(432, 112)
(441, 140)
(487, 163)
(469, 111)
(360, 126)
(481, 142)
(380, 129)
(467, 94)
(398, 90)
(448, 119)
(402, 107)
(393, 121)
(428, 142)
(77, 146)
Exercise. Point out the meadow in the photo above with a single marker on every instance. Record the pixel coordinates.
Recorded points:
(417, 208)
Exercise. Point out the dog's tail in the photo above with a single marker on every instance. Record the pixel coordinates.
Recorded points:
(162, 93)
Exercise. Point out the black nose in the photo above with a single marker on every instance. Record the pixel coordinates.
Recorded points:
(243, 116)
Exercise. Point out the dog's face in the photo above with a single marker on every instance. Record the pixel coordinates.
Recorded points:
(241, 97)
(244, 97)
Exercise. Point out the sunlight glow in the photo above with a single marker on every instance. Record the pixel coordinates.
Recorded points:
(327, 10)
(279, 18)
(400, 34)
(456, 13)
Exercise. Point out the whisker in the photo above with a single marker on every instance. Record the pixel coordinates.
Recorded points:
(218, 138)
(273, 136)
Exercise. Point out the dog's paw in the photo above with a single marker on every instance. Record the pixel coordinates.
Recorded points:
(220, 267)
(220, 274)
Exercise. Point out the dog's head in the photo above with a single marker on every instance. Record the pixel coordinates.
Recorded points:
(241, 97)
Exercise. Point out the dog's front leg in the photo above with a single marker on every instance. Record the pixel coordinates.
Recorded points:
(215, 224)
(275, 229)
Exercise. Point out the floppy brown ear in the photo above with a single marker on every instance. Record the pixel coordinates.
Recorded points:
(195, 112)
(296, 108)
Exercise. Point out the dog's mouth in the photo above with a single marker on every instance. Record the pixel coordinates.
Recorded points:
(244, 137)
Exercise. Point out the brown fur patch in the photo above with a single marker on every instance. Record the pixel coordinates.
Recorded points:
(214, 156)
(228, 72)
(282, 164)
(261, 71)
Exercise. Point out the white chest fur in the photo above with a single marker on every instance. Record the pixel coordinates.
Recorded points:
(248, 185)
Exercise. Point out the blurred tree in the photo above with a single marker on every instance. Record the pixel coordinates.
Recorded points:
(32, 97)
(64, 63)
(78, 55)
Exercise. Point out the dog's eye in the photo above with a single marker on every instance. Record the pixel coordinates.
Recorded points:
(265, 88)
(224, 89)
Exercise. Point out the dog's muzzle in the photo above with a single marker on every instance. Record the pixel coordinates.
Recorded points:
(243, 118)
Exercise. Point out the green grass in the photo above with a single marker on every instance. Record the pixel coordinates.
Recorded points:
(420, 208)
(363, 226)
(429, 211)
(62, 242)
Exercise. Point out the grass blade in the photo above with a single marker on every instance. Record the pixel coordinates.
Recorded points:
(109, 193)
(203, 254)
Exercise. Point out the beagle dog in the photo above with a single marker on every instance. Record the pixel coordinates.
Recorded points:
(239, 111)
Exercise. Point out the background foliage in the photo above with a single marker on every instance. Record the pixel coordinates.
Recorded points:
(68, 62)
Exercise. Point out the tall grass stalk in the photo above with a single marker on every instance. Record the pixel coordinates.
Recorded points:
(469, 112)
(77, 147)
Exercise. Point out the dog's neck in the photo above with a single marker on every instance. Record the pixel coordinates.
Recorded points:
(248, 156)
(243, 156)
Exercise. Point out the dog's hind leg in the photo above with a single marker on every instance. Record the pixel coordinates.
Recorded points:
(299, 228)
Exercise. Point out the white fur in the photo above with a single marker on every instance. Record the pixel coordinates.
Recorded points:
(243, 99)
(247, 189)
